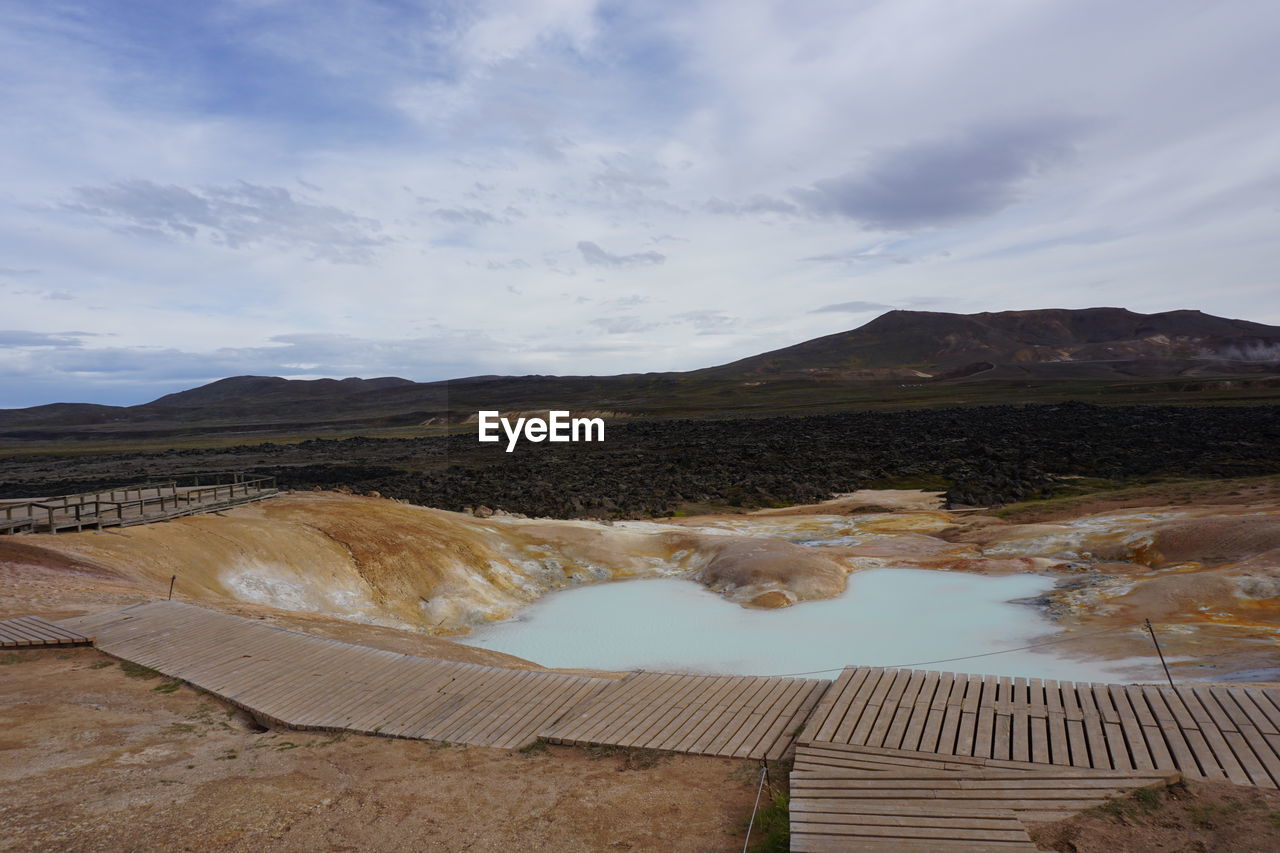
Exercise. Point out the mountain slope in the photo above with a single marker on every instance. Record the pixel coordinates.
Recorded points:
(901, 358)
(936, 343)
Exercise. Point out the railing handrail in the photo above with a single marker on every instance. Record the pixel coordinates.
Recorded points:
(238, 480)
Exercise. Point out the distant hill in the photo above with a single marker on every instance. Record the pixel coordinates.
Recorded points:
(929, 344)
(902, 358)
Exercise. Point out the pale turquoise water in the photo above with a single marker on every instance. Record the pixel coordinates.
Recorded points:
(887, 617)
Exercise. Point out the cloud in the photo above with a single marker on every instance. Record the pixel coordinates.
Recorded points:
(708, 322)
(623, 325)
(754, 204)
(971, 174)
(514, 264)
(854, 307)
(464, 215)
(18, 338)
(236, 216)
(524, 122)
(596, 256)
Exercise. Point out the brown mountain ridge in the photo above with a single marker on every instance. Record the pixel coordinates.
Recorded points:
(901, 358)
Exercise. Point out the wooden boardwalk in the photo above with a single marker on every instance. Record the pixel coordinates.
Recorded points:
(885, 759)
(1223, 733)
(303, 681)
(727, 715)
(133, 505)
(851, 798)
(32, 631)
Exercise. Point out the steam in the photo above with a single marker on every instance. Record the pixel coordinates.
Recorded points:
(1259, 351)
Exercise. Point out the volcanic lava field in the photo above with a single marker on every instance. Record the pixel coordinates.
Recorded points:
(979, 456)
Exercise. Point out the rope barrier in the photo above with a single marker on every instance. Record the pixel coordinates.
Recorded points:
(971, 657)
(764, 768)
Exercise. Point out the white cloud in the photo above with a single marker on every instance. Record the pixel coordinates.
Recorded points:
(414, 183)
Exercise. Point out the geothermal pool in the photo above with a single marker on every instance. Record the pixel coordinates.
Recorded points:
(887, 617)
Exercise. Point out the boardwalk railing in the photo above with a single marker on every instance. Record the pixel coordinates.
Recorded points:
(135, 504)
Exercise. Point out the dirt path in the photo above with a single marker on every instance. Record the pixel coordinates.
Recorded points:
(92, 758)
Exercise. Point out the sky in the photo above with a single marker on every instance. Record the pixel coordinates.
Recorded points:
(432, 190)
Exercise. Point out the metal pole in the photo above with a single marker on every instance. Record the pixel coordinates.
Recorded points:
(1152, 632)
(171, 582)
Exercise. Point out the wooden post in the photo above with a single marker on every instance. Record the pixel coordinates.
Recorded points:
(1152, 632)
(172, 580)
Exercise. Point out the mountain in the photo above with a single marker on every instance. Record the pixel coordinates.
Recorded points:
(931, 344)
(273, 389)
(902, 358)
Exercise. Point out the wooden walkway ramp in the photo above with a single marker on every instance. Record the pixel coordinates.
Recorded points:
(303, 681)
(727, 715)
(128, 506)
(851, 798)
(299, 680)
(32, 631)
(1224, 733)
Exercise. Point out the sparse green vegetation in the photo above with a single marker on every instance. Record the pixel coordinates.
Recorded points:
(1138, 803)
(1212, 815)
(134, 670)
(538, 747)
(167, 687)
(102, 664)
(771, 832)
(629, 757)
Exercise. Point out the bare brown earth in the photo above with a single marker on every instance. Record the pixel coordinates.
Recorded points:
(1193, 817)
(93, 759)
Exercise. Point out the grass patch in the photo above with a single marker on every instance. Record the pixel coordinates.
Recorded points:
(1142, 802)
(229, 755)
(134, 670)
(8, 659)
(1212, 815)
(538, 747)
(102, 664)
(184, 729)
(771, 832)
(167, 687)
(629, 757)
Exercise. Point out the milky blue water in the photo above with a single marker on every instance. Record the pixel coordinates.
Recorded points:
(887, 617)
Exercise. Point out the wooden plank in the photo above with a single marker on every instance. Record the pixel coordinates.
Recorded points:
(1095, 732)
(631, 695)
(762, 716)
(679, 697)
(781, 736)
(936, 715)
(830, 712)
(702, 738)
(1139, 754)
(1223, 707)
(1206, 759)
(854, 728)
(672, 722)
(1222, 754)
(877, 725)
(918, 713)
(1179, 751)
